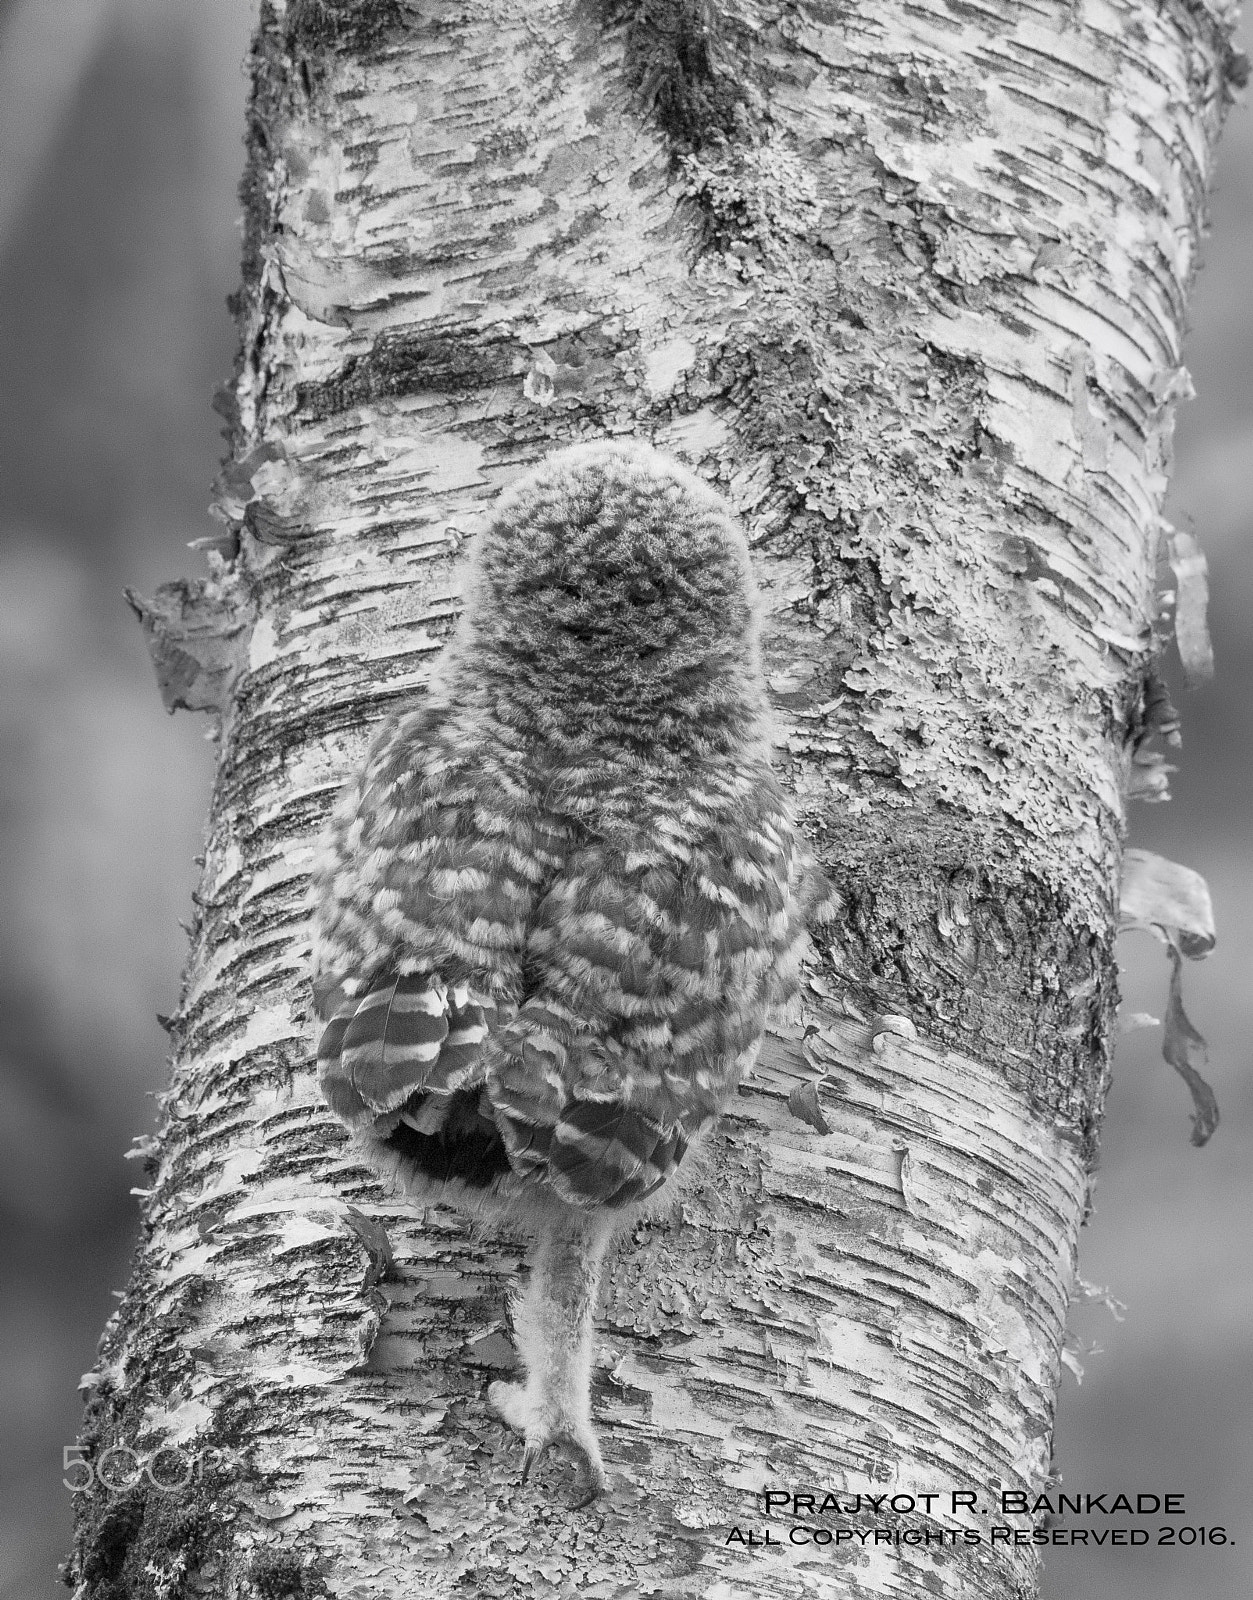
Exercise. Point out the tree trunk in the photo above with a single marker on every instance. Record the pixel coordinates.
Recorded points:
(907, 283)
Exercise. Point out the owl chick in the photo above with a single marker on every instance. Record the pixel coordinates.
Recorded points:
(553, 909)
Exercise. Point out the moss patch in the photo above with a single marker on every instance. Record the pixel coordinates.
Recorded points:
(144, 1545)
(401, 364)
(931, 920)
(683, 64)
(314, 26)
(278, 1574)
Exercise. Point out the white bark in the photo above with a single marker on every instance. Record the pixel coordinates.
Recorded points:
(919, 316)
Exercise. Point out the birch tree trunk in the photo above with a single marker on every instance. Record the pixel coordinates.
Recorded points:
(906, 281)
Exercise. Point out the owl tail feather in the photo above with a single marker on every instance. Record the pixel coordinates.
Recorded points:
(610, 1155)
(408, 1037)
(590, 1151)
(594, 1153)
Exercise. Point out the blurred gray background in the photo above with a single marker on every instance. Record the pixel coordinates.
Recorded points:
(120, 151)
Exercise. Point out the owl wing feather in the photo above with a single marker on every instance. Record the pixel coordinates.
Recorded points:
(423, 894)
(407, 1037)
(653, 970)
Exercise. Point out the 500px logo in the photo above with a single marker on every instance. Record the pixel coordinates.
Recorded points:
(118, 1467)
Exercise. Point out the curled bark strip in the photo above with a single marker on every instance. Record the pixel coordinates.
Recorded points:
(803, 1104)
(1173, 903)
(378, 1246)
(1160, 894)
(1192, 599)
(1181, 1046)
(197, 632)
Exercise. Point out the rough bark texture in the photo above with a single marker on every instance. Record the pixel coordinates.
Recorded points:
(907, 283)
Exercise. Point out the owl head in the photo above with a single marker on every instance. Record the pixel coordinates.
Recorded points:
(616, 562)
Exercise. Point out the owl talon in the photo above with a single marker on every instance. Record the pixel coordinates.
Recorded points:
(588, 1487)
(511, 1402)
(589, 1482)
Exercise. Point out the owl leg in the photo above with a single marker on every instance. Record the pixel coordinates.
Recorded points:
(553, 1327)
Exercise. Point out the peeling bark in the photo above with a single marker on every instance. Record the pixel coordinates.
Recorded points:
(907, 283)
(197, 634)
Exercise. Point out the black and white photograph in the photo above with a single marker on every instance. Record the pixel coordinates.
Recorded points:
(626, 714)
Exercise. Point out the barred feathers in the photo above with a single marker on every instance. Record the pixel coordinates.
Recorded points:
(554, 908)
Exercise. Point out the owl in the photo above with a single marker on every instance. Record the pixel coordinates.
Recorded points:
(556, 904)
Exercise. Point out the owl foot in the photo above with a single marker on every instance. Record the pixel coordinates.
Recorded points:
(544, 1424)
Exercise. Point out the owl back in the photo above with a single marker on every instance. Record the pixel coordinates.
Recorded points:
(554, 986)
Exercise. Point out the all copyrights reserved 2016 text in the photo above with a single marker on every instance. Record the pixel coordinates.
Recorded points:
(820, 1518)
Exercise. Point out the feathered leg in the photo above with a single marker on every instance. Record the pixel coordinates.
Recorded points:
(553, 1326)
